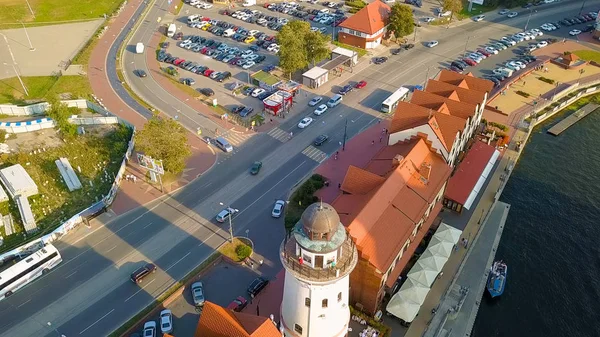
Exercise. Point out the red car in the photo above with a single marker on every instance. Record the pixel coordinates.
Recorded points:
(206, 19)
(484, 52)
(207, 72)
(360, 84)
(238, 304)
(469, 62)
(178, 62)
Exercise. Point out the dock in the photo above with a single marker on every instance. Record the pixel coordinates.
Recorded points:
(572, 119)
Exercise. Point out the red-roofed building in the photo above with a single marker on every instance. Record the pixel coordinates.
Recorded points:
(366, 28)
(216, 321)
(388, 207)
(447, 112)
(470, 176)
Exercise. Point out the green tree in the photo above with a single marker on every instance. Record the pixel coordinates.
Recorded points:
(454, 6)
(292, 46)
(166, 140)
(401, 21)
(61, 113)
(316, 47)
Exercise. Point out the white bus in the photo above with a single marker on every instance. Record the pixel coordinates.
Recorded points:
(28, 269)
(390, 103)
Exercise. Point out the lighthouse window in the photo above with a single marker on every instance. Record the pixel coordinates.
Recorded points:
(298, 328)
(307, 302)
(324, 303)
(340, 297)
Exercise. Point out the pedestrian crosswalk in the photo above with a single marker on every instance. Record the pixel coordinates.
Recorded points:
(237, 139)
(314, 154)
(279, 134)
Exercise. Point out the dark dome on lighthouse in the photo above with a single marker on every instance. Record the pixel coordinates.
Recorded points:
(320, 221)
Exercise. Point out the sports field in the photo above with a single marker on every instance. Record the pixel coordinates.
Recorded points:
(52, 11)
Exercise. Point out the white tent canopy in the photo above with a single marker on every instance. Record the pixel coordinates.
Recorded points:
(448, 233)
(414, 291)
(439, 247)
(432, 261)
(403, 308)
(422, 274)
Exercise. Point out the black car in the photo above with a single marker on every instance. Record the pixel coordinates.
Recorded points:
(140, 73)
(207, 92)
(457, 65)
(264, 95)
(246, 111)
(320, 140)
(223, 76)
(346, 89)
(188, 81)
(139, 274)
(408, 46)
(462, 63)
(456, 69)
(236, 109)
(380, 60)
(396, 51)
(257, 286)
(493, 79)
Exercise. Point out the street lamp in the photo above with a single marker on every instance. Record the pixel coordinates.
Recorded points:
(345, 135)
(55, 329)
(31, 10)
(230, 224)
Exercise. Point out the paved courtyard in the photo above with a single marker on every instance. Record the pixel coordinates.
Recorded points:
(54, 46)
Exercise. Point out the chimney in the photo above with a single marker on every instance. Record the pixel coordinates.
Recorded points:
(397, 160)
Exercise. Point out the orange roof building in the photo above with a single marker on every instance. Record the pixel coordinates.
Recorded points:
(366, 28)
(399, 192)
(447, 112)
(216, 321)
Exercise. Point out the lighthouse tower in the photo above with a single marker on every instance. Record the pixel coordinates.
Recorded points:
(318, 256)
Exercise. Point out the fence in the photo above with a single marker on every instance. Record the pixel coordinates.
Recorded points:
(39, 108)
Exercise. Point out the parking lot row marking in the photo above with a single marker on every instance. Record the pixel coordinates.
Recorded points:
(279, 134)
(314, 154)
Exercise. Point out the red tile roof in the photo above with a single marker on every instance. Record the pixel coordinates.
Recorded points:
(468, 172)
(394, 204)
(467, 81)
(370, 19)
(216, 321)
(455, 93)
(442, 104)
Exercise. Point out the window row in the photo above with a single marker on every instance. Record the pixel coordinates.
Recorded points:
(324, 302)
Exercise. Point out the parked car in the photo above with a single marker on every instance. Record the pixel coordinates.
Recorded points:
(150, 329)
(380, 60)
(166, 321)
(238, 304)
(278, 209)
(257, 286)
(207, 92)
(360, 84)
(346, 89)
(478, 18)
(247, 110)
(197, 289)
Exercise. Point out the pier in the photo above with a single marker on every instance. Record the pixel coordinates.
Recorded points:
(572, 119)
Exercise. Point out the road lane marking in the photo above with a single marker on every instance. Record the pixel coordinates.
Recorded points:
(22, 304)
(150, 223)
(73, 273)
(101, 318)
(115, 246)
(142, 288)
(176, 262)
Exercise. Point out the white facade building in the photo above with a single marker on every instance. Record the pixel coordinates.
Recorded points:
(318, 256)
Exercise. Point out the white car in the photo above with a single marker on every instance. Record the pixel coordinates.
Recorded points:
(542, 44)
(253, 32)
(499, 46)
(272, 46)
(278, 209)
(498, 71)
(305, 122)
(246, 53)
(520, 64)
(524, 36)
(150, 329)
(504, 11)
(315, 100)
(248, 65)
(512, 14)
(518, 38)
(475, 57)
(508, 40)
(531, 35)
(536, 32)
(428, 19)
(314, 29)
(166, 321)
(321, 110)
(491, 50)
(205, 5)
(256, 92)
(478, 18)
(432, 44)
(575, 32)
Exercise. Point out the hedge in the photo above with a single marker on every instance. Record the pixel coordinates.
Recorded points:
(522, 93)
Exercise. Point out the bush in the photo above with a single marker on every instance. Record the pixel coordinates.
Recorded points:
(2, 136)
(545, 79)
(243, 251)
(498, 126)
(522, 93)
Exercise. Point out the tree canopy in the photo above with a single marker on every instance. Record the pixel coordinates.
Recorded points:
(166, 140)
(401, 21)
(454, 6)
(298, 46)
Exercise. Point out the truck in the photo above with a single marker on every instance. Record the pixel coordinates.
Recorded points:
(171, 30)
(139, 48)
(248, 3)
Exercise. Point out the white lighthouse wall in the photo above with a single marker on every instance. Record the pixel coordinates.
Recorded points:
(316, 321)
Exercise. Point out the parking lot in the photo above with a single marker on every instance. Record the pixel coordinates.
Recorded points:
(239, 41)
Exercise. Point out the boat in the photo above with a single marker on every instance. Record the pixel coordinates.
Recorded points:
(497, 279)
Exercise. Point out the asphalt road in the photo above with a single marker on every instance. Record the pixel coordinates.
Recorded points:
(90, 294)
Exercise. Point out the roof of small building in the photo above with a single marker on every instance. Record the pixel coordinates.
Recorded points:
(216, 321)
(370, 19)
(315, 73)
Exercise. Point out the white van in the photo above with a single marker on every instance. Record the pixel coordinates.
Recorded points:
(193, 18)
(229, 32)
(139, 48)
(172, 30)
(334, 101)
(223, 144)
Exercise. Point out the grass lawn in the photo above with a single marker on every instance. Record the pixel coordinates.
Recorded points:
(50, 11)
(98, 157)
(40, 87)
(228, 249)
(588, 55)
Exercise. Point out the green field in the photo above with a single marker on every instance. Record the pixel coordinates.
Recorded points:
(588, 55)
(39, 87)
(51, 11)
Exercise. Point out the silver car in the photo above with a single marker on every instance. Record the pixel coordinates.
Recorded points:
(278, 209)
(198, 293)
(166, 321)
(150, 329)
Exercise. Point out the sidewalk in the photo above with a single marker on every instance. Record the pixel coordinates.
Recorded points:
(132, 195)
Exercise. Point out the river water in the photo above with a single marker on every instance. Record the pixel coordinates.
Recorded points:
(551, 241)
